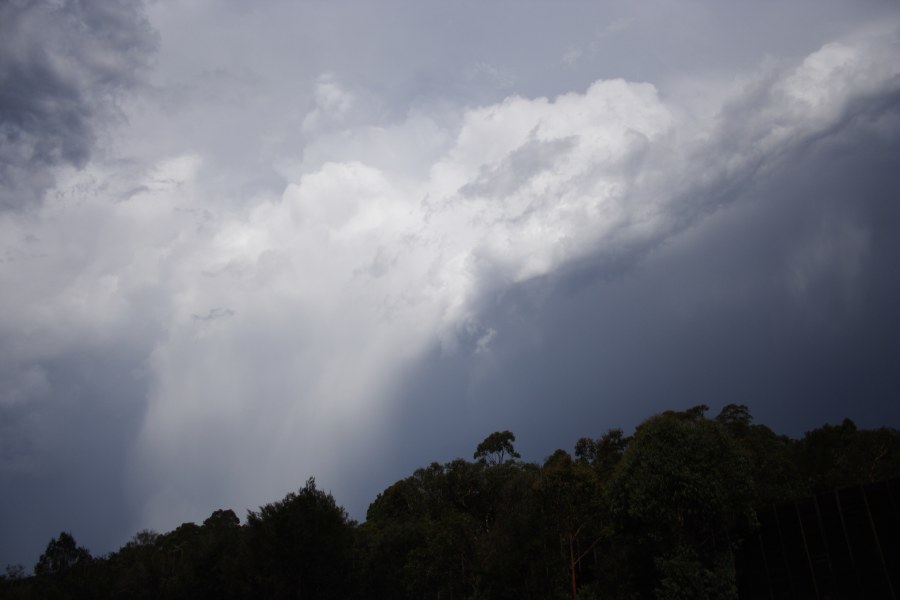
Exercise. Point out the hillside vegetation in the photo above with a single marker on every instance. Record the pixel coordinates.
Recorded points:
(659, 513)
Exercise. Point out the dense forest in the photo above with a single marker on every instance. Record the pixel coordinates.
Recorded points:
(665, 512)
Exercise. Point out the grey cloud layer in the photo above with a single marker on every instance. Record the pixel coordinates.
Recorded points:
(61, 66)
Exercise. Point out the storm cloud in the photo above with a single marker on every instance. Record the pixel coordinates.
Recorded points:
(62, 66)
(253, 252)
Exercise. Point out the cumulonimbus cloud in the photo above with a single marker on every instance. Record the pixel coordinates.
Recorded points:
(272, 331)
(357, 269)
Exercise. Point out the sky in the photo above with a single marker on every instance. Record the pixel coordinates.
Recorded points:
(242, 244)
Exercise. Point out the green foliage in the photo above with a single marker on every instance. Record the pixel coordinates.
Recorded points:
(62, 554)
(685, 575)
(569, 491)
(835, 456)
(655, 514)
(737, 418)
(602, 454)
(497, 448)
(143, 538)
(772, 464)
(300, 546)
(683, 492)
(679, 473)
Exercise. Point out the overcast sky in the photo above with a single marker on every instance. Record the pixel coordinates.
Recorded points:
(246, 243)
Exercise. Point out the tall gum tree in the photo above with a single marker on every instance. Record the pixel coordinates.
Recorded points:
(683, 494)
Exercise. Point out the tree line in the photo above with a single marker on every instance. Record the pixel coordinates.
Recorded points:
(660, 513)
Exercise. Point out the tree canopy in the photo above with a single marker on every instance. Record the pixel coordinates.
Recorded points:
(662, 513)
(497, 448)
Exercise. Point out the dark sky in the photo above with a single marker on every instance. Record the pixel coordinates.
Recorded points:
(243, 246)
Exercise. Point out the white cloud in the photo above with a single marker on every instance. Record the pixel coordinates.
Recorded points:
(354, 271)
(333, 288)
(333, 103)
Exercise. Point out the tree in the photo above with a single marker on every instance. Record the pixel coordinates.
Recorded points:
(61, 555)
(683, 496)
(603, 454)
(14, 573)
(736, 417)
(569, 492)
(496, 447)
(301, 546)
(144, 537)
(834, 456)
(393, 531)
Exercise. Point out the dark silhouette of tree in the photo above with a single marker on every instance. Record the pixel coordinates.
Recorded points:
(497, 448)
(300, 547)
(144, 537)
(62, 554)
(772, 457)
(395, 528)
(657, 514)
(835, 456)
(736, 417)
(683, 494)
(569, 491)
(602, 454)
(13, 572)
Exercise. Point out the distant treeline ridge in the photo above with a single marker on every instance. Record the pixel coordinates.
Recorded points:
(687, 506)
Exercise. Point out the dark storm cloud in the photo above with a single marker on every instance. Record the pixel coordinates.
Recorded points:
(61, 66)
(778, 290)
(65, 417)
(530, 290)
(63, 457)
